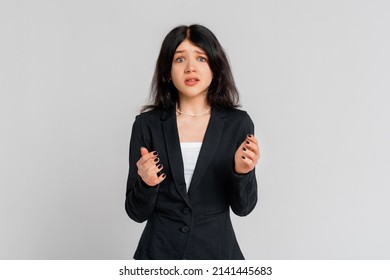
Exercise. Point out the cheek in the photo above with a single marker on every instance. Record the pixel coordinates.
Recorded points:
(174, 73)
(209, 74)
(175, 79)
(207, 71)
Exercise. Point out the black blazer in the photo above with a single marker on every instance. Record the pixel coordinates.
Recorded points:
(193, 225)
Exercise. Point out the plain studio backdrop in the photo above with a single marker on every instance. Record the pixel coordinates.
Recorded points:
(313, 75)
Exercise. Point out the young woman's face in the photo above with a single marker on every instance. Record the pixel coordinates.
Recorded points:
(191, 73)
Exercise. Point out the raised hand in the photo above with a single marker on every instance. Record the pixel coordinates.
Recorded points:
(247, 155)
(148, 168)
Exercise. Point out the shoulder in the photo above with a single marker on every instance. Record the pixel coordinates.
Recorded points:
(150, 117)
(238, 115)
(240, 122)
(236, 112)
(152, 114)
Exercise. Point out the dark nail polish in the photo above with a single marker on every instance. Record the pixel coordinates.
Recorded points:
(244, 149)
(159, 166)
(156, 159)
(155, 153)
(243, 157)
(247, 142)
(249, 135)
(164, 175)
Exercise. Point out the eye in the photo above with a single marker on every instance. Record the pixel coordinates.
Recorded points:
(179, 59)
(202, 59)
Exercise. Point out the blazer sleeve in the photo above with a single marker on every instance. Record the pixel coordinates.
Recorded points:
(140, 198)
(243, 188)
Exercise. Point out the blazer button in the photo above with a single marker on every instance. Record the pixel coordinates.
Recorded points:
(184, 229)
(185, 211)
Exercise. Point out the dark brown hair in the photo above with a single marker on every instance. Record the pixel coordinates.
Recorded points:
(222, 91)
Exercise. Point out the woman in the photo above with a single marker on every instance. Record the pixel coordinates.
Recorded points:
(192, 154)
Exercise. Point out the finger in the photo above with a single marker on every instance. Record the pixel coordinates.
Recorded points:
(158, 180)
(249, 154)
(144, 151)
(151, 175)
(162, 177)
(251, 146)
(146, 157)
(252, 138)
(155, 170)
(159, 169)
(248, 162)
(152, 162)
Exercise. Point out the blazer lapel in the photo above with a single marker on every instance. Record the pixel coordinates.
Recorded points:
(210, 143)
(172, 144)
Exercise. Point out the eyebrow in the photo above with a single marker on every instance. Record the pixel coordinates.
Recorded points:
(182, 51)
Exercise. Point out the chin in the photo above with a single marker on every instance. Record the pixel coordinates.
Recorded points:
(191, 94)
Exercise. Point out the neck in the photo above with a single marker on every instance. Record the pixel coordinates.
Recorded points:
(193, 106)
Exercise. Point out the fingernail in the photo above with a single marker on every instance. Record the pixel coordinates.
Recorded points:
(164, 175)
(156, 159)
(247, 142)
(244, 149)
(243, 157)
(155, 153)
(249, 135)
(159, 166)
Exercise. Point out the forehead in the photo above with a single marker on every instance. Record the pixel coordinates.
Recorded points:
(187, 46)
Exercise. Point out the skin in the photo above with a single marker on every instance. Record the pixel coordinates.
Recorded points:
(188, 62)
(192, 76)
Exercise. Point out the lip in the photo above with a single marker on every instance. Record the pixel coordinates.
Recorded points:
(191, 81)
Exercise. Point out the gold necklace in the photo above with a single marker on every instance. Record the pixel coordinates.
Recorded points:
(192, 115)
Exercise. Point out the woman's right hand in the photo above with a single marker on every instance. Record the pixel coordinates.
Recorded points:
(148, 168)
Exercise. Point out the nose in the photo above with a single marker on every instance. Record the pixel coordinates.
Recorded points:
(189, 69)
(189, 66)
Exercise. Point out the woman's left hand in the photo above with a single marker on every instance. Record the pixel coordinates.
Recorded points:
(247, 155)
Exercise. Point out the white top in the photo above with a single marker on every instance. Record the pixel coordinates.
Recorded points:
(190, 152)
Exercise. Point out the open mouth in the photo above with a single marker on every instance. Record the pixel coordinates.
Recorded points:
(191, 81)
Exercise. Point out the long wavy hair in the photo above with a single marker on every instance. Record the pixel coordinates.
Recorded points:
(222, 92)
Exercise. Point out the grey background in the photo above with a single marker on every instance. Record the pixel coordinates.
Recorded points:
(313, 75)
